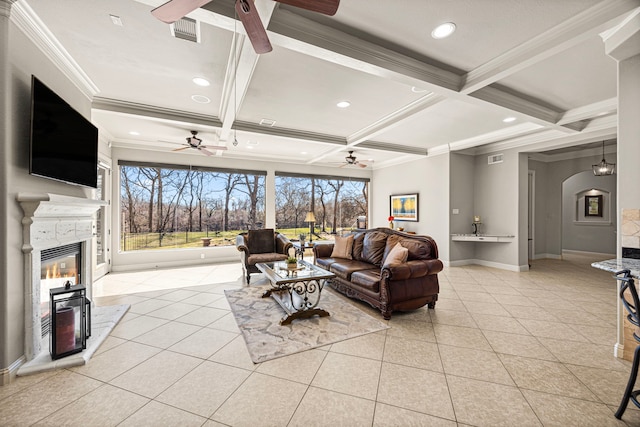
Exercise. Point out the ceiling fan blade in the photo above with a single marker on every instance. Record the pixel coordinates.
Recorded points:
(205, 151)
(362, 165)
(180, 149)
(253, 26)
(215, 147)
(327, 7)
(173, 10)
(343, 165)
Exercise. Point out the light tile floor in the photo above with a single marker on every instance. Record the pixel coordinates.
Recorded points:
(501, 348)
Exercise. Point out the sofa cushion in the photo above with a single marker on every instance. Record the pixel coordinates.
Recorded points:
(261, 241)
(342, 247)
(343, 268)
(397, 255)
(325, 262)
(358, 243)
(368, 279)
(373, 249)
(266, 257)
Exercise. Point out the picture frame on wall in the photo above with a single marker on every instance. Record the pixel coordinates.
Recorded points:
(593, 205)
(404, 207)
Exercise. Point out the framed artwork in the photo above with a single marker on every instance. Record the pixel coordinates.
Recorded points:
(593, 205)
(404, 207)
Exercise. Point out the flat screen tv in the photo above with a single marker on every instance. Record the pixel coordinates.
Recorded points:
(64, 145)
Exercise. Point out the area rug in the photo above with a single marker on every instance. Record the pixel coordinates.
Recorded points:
(259, 320)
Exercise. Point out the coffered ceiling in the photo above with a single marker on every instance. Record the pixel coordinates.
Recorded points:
(542, 62)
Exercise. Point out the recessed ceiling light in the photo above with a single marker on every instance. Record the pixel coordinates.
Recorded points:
(201, 99)
(249, 142)
(303, 152)
(201, 81)
(133, 132)
(418, 90)
(443, 30)
(509, 119)
(343, 104)
(250, 147)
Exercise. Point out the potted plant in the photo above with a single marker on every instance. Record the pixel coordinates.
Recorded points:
(292, 262)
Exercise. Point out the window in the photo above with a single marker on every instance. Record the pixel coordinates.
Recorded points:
(336, 202)
(172, 206)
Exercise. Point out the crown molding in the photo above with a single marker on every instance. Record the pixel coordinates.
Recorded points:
(586, 112)
(150, 111)
(510, 132)
(32, 26)
(578, 153)
(5, 7)
(394, 119)
(559, 38)
(311, 38)
(546, 139)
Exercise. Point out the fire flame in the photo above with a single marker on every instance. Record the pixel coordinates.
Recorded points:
(54, 272)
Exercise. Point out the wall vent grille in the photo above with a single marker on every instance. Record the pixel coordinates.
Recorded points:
(496, 158)
(186, 29)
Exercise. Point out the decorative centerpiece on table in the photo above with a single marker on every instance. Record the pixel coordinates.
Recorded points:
(292, 263)
(391, 218)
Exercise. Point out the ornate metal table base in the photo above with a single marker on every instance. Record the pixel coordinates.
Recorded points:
(299, 299)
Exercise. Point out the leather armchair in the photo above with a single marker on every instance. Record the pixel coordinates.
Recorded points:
(261, 246)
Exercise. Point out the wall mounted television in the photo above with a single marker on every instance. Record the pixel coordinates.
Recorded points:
(64, 145)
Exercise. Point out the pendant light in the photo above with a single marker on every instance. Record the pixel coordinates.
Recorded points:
(603, 168)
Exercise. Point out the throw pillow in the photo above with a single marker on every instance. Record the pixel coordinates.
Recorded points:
(342, 247)
(397, 255)
(373, 247)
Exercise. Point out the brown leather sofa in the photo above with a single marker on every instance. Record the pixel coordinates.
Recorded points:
(397, 287)
(258, 246)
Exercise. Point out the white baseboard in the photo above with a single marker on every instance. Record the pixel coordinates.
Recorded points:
(509, 267)
(547, 256)
(6, 374)
(593, 254)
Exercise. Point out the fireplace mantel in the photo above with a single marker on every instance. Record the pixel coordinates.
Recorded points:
(52, 220)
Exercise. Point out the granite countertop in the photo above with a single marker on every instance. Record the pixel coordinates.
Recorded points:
(615, 265)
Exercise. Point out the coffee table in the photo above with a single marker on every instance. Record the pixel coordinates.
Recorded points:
(296, 289)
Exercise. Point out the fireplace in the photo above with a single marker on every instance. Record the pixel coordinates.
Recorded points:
(58, 236)
(58, 266)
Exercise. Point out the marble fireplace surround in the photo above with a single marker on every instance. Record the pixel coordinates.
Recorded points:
(52, 220)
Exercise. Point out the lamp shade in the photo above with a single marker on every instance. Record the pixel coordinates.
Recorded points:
(310, 217)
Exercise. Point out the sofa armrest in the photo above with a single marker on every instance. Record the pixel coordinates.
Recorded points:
(283, 244)
(413, 269)
(323, 250)
(241, 244)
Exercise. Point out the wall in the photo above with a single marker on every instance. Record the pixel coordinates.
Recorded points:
(23, 59)
(429, 177)
(463, 199)
(549, 179)
(122, 261)
(498, 200)
(589, 234)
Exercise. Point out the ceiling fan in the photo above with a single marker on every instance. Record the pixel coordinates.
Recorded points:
(174, 10)
(196, 143)
(351, 160)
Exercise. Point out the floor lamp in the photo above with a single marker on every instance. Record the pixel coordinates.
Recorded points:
(311, 219)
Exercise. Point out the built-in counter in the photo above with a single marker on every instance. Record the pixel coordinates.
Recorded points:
(489, 238)
(625, 329)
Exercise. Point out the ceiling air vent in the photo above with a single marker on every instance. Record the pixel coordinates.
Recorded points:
(186, 29)
(496, 158)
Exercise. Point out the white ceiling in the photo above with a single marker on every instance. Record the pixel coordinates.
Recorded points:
(540, 61)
